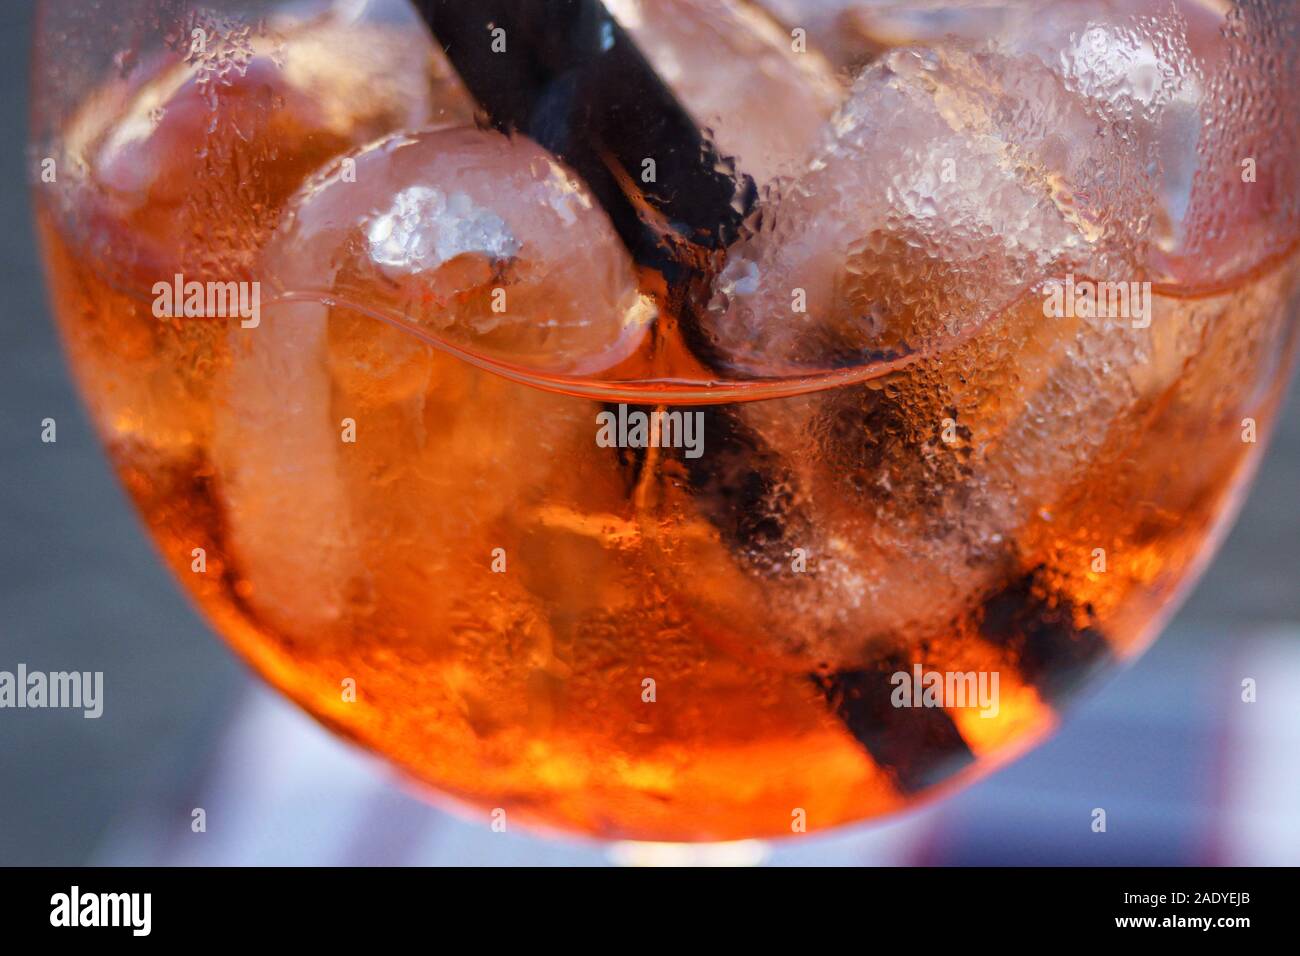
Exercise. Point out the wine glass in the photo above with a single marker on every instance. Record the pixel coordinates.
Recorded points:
(676, 421)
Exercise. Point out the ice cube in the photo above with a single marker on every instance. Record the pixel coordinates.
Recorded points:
(192, 155)
(1204, 87)
(479, 239)
(947, 184)
(1141, 69)
(739, 76)
(278, 453)
(1244, 206)
(1206, 91)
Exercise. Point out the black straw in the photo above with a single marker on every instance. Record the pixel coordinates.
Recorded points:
(565, 73)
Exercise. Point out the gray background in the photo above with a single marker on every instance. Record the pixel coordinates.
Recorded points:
(1182, 775)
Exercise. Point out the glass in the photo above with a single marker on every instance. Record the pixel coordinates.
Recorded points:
(760, 450)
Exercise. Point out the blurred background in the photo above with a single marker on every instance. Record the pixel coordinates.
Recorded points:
(1186, 772)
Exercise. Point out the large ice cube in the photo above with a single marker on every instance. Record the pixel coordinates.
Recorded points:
(946, 186)
(483, 240)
